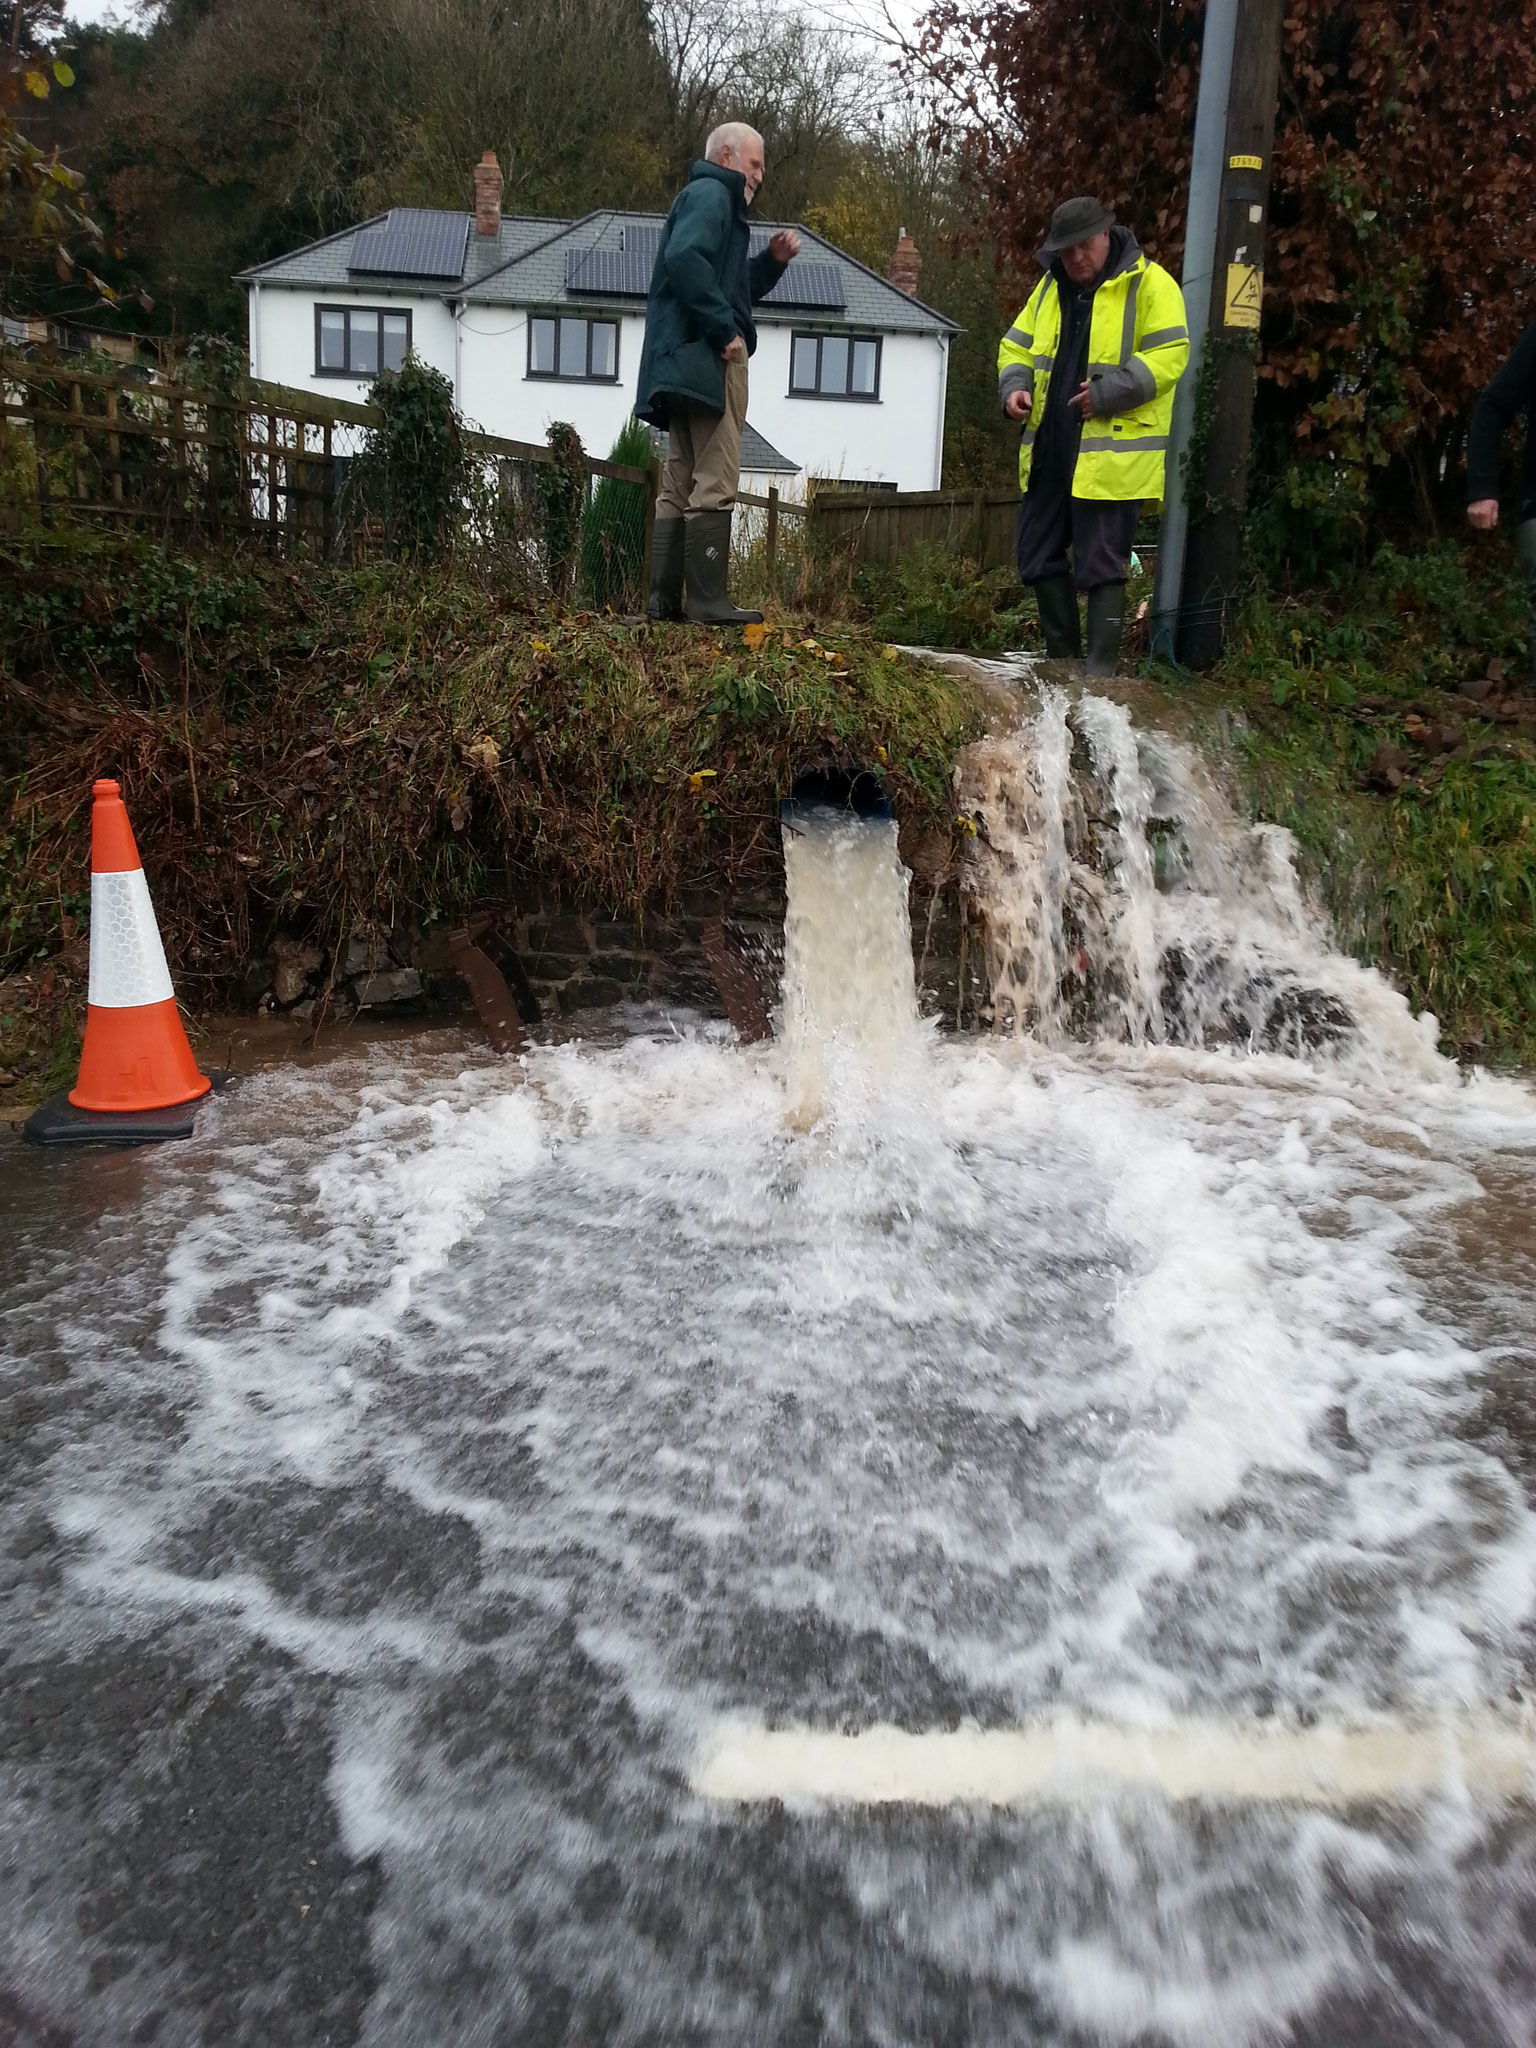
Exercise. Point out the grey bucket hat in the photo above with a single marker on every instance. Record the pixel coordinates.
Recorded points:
(1073, 222)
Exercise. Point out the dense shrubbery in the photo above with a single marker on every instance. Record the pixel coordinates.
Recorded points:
(1398, 265)
(613, 566)
(312, 745)
(1414, 802)
(414, 465)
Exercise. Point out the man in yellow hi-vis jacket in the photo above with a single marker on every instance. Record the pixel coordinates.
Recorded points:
(1090, 368)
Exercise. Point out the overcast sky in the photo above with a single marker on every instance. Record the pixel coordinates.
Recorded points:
(849, 13)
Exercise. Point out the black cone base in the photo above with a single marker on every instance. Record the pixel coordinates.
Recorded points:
(59, 1122)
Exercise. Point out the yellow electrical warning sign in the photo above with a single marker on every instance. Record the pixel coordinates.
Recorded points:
(1245, 163)
(1245, 294)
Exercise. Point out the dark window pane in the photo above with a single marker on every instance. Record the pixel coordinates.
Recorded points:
(333, 341)
(605, 348)
(396, 327)
(864, 356)
(365, 344)
(542, 361)
(802, 372)
(834, 363)
(573, 348)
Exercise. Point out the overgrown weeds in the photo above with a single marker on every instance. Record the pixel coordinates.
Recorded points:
(1387, 727)
(303, 747)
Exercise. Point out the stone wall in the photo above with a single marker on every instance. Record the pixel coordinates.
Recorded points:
(561, 961)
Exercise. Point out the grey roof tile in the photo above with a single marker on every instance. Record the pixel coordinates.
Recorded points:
(537, 278)
(525, 265)
(325, 262)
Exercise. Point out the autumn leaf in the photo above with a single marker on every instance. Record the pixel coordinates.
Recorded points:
(754, 636)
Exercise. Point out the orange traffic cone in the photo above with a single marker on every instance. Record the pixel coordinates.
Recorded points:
(136, 1064)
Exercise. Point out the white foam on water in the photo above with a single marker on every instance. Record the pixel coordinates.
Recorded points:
(1123, 899)
(1108, 727)
(552, 1414)
(848, 1007)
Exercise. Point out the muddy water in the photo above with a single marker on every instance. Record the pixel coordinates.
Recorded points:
(408, 1480)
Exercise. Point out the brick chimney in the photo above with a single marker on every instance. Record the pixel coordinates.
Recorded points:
(488, 195)
(905, 265)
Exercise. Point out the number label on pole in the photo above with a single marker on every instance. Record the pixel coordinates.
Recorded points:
(1245, 163)
(1245, 294)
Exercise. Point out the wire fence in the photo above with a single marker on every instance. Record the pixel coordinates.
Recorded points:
(294, 473)
(92, 441)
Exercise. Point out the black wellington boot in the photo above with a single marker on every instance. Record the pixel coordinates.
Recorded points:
(1056, 598)
(666, 570)
(1106, 617)
(706, 564)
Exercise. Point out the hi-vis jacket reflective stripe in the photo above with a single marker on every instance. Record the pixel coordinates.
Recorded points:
(1138, 346)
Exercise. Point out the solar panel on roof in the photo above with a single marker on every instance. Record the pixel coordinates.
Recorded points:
(412, 242)
(595, 270)
(808, 283)
(624, 272)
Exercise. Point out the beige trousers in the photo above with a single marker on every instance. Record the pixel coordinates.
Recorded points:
(703, 464)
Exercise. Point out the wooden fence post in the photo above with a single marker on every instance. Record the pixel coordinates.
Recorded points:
(76, 406)
(181, 470)
(772, 541)
(652, 493)
(272, 525)
(328, 499)
(245, 463)
(115, 450)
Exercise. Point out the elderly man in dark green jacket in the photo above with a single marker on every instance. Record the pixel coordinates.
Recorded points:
(699, 332)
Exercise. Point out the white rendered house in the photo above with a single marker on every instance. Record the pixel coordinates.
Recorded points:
(539, 320)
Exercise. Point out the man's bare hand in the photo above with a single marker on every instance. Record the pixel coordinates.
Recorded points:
(1484, 514)
(735, 350)
(782, 244)
(1017, 404)
(1081, 401)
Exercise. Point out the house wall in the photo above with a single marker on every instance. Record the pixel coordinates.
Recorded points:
(896, 439)
(282, 330)
(497, 394)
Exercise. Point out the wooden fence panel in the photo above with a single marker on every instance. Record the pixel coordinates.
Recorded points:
(878, 528)
(119, 446)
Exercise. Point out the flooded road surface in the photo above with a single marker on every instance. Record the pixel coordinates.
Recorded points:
(409, 1481)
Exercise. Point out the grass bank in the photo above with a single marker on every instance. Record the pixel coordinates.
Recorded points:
(1390, 725)
(305, 749)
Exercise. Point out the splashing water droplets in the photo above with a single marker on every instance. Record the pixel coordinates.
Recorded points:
(1121, 900)
(412, 1477)
(849, 1017)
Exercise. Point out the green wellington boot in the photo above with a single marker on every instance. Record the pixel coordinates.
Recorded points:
(1056, 598)
(706, 564)
(1106, 618)
(666, 570)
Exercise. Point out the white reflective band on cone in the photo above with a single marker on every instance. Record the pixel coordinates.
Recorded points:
(1071, 1761)
(127, 959)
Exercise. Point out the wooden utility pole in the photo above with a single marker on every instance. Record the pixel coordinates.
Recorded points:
(1223, 424)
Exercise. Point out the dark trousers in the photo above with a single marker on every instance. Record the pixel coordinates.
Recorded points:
(1099, 532)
